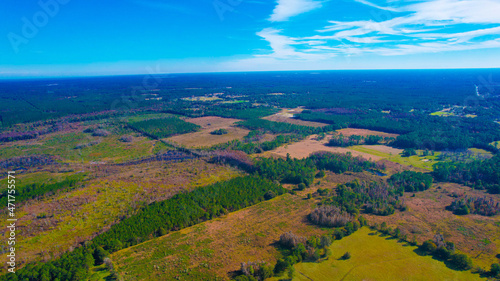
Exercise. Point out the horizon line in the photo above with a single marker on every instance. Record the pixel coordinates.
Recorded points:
(7, 78)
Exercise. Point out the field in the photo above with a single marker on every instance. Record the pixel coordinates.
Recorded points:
(475, 235)
(393, 155)
(218, 246)
(304, 148)
(375, 257)
(51, 226)
(286, 116)
(73, 145)
(203, 138)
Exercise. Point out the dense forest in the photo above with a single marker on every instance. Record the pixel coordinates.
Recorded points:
(36, 190)
(163, 127)
(483, 174)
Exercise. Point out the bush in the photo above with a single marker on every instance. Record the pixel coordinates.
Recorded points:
(330, 216)
(219, 132)
(461, 261)
(345, 256)
(126, 139)
(495, 270)
(428, 247)
(290, 240)
(100, 133)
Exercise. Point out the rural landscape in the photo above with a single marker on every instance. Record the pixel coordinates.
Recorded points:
(291, 175)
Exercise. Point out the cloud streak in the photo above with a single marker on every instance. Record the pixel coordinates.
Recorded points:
(285, 9)
(417, 27)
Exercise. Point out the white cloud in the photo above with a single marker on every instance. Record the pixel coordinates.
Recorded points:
(286, 9)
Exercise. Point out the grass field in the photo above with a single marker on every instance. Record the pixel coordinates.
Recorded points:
(64, 145)
(364, 132)
(218, 246)
(393, 154)
(377, 258)
(442, 113)
(203, 138)
(51, 226)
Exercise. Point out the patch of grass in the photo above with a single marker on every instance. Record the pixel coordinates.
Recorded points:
(422, 162)
(374, 257)
(442, 114)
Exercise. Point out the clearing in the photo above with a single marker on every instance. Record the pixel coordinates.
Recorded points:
(304, 148)
(203, 138)
(287, 116)
(375, 257)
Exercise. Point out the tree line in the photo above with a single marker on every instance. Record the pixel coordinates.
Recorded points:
(156, 219)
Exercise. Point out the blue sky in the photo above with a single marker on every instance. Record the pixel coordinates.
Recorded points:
(77, 37)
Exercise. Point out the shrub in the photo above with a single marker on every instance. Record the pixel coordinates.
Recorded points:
(345, 256)
(331, 216)
(100, 133)
(126, 139)
(461, 261)
(290, 240)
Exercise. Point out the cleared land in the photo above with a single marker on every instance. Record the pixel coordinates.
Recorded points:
(304, 148)
(364, 132)
(218, 247)
(53, 225)
(203, 138)
(377, 258)
(475, 235)
(64, 144)
(286, 116)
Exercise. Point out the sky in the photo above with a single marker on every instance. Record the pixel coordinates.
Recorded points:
(113, 37)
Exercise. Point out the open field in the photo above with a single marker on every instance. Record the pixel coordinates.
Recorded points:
(477, 236)
(374, 257)
(51, 226)
(442, 113)
(286, 116)
(393, 155)
(203, 138)
(364, 132)
(304, 148)
(64, 144)
(218, 246)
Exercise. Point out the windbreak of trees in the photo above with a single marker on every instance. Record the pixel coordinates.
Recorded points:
(281, 127)
(187, 209)
(344, 141)
(250, 144)
(156, 219)
(163, 127)
(340, 163)
(478, 174)
(411, 181)
(35, 190)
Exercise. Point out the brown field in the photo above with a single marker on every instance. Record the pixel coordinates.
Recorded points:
(304, 148)
(221, 245)
(203, 138)
(477, 236)
(363, 132)
(286, 116)
(48, 227)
